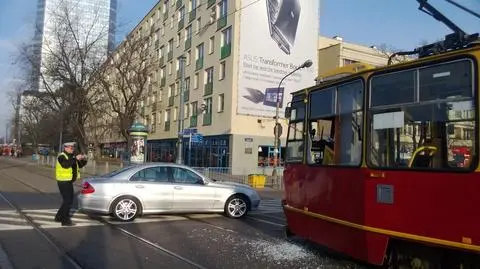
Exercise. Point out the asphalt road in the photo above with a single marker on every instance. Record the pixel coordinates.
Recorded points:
(29, 238)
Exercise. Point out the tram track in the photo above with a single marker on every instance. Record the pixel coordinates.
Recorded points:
(46, 236)
(58, 247)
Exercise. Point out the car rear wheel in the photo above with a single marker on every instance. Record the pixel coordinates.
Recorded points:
(126, 208)
(236, 206)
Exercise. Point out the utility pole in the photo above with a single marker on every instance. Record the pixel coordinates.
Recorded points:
(181, 112)
(278, 127)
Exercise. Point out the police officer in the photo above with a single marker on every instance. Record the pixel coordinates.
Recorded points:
(66, 172)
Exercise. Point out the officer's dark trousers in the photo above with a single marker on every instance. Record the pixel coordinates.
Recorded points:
(66, 190)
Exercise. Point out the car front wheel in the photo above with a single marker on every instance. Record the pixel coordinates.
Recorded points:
(236, 206)
(125, 208)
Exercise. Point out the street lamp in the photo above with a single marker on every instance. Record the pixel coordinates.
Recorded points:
(182, 112)
(278, 127)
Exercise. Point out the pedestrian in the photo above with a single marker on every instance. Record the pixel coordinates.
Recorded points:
(66, 172)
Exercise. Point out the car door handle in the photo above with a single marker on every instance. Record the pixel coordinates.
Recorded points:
(139, 186)
(178, 187)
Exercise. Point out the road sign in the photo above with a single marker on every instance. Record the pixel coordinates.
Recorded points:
(189, 131)
(196, 138)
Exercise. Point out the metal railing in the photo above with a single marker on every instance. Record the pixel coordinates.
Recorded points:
(94, 168)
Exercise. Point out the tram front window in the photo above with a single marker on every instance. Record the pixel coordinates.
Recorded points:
(431, 129)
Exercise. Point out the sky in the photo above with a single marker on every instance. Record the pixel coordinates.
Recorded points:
(398, 24)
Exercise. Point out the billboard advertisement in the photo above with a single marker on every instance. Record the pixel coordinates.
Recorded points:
(275, 38)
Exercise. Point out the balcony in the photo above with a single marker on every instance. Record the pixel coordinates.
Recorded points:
(186, 96)
(162, 61)
(167, 126)
(171, 99)
(179, 4)
(192, 15)
(193, 121)
(163, 82)
(188, 43)
(210, 3)
(199, 64)
(181, 23)
(222, 22)
(225, 51)
(208, 89)
(170, 55)
(207, 119)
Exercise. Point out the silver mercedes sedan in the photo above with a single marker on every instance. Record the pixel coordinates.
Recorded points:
(154, 188)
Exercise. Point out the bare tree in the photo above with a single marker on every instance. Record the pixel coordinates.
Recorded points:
(125, 78)
(387, 51)
(64, 66)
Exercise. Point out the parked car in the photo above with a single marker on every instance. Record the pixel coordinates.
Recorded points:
(154, 188)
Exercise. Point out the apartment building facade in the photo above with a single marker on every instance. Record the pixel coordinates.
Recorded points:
(235, 54)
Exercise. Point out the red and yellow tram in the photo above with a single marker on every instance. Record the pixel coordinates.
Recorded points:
(373, 168)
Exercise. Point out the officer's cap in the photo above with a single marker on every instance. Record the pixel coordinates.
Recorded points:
(69, 144)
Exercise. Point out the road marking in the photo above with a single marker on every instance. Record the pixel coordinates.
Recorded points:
(270, 206)
(11, 220)
(266, 221)
(45, 218)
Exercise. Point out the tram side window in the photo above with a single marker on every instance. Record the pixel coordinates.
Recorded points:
(295, 143)
(433, 131)
(335, 125)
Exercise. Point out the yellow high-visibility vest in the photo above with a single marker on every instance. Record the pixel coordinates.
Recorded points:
(64, 174)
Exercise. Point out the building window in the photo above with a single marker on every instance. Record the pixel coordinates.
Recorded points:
(181, 13)
(221, 73)
(179, 36)
(211, 45)
(186, 112)
(196, 80)
(175, 113)
(161, 52)
(348, 61)
(199, 52)
(227, 36)
(194, 109)
(170, 68)
(188, 32)
(187, 84)
(209, 75)
(177, 87)
(170, 90)
(221, 103)
(167, 115)
(198, 25)
(207, 116)
(222, 9)
(165, 6)
(170, 45)
(188, 57)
